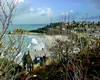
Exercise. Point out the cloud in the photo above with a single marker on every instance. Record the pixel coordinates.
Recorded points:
(34, 16)
(42, 11)
(19, 1)
(27, 14)
(70, 12)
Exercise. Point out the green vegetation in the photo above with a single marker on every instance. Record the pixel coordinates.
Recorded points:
(59, 27)
(19, 31)
(76, 58)
(90, 61)
(47, 28)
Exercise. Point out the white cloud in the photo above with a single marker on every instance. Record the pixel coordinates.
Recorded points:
(65, 13)
(42, 11)
(34, 16)
(19, 1)
(68, 12)
(71, 11)
(49, 11)
(31, 9)
(27, 14)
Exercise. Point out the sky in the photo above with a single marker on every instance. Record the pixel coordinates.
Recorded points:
(43, 11)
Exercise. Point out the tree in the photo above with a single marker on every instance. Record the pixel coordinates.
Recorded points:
(7, 9)
(63, 53)
(10, 45)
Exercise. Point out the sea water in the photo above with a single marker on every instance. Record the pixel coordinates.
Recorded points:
(26, 26)
(30, 39)
(34, 43)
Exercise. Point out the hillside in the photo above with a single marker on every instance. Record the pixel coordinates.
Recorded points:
(64, 28)
(45, 29)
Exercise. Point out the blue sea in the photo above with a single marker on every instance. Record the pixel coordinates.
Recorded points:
(26, 26)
